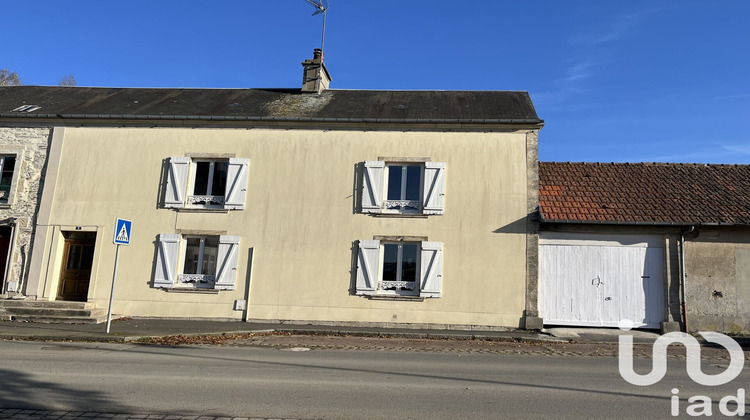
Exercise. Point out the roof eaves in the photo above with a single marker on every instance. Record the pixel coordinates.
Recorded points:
(534, 121)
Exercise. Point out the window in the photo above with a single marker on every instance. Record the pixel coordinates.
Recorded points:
(209, 182)
(403, 187)
(206, 183)
(7, 168)
(399, 268)
(200, 260)
(193, 261)
(399, 271)
(7, 180)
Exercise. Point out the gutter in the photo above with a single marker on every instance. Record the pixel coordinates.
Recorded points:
(683, 300)
(692, 225)
(275, 119)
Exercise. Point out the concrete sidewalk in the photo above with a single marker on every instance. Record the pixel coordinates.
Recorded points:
(134, 329)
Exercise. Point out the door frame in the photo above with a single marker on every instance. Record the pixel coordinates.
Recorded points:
(89, 238)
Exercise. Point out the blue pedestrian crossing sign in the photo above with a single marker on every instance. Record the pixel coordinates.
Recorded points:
(122, 231)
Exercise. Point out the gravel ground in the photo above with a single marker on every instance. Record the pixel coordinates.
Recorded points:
(301, 342)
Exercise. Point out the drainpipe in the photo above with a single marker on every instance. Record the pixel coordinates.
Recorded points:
(683, 302)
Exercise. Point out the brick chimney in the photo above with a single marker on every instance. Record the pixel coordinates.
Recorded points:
(315, 76)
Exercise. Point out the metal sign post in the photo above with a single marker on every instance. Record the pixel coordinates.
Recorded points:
(123, 228)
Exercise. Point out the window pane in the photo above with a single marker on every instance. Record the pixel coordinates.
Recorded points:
(210, 253)
(6, 177)
(394, 182)
(201, 178)
(74, 257)
(87, 258)
(409, 262)
(192, 252)
(413, 181)
(220, 178)
(390, 262)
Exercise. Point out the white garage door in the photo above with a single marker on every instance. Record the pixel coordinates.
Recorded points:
(598, 280)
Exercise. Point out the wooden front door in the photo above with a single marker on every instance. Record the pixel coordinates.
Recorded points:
(76, 271)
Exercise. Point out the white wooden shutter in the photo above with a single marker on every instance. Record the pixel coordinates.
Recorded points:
(372, 186)
(226, 268)
(434, 188)
(236, 184)
(167, 252)
(432, 269)
(176, 187)
(367, 267)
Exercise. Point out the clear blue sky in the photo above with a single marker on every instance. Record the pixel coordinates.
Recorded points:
(614, 80)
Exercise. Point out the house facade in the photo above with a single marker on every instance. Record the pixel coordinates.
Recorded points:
(663, 245)
(288, 205)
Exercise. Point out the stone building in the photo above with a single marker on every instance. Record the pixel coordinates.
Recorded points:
(23, 159)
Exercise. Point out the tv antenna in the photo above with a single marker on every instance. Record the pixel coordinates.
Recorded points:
(320, 7)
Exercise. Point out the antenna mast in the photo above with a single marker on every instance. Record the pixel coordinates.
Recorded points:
(320, 7)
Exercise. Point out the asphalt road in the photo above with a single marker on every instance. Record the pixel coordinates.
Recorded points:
(335, 384)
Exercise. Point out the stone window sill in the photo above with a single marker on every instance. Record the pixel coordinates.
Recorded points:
(192, 290)
(397, 298)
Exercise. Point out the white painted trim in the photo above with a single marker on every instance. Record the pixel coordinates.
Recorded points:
(599, 324)
(601, 239)
(44, 236)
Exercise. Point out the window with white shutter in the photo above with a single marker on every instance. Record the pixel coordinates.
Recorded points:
(226, 271)
(367, 266)
(167, 252)
(400, 268)
(403, 187)
(196, 261)
(206, 183)
(431, 269)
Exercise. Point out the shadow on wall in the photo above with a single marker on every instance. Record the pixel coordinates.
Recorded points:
(151, 281)
(357, 185)
(161, 187)
(517, 227)
(353, 269)
(21, 391)
(248, 277)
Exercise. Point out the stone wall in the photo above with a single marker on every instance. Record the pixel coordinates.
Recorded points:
(30, 145)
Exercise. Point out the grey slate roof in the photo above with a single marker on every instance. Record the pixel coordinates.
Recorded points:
(270, 104)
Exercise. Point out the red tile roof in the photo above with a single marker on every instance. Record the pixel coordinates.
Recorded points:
(658, 193)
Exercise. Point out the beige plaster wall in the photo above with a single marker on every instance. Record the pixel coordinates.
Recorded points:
(299, 222)
(718, 280)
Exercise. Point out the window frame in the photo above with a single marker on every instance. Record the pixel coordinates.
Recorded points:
(399, 283)
(196, 280)
(214, 201)
(402, 205)
(9, 198)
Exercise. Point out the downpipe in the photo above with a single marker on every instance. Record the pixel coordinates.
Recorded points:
(683, 300)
